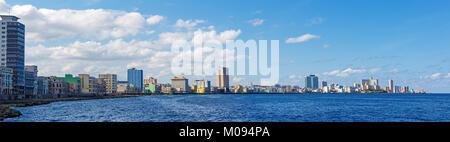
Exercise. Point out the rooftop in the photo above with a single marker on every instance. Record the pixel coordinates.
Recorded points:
(9, 18)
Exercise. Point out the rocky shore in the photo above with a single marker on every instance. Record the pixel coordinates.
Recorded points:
(7, 112)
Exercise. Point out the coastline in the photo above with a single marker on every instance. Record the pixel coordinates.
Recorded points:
(7, 112)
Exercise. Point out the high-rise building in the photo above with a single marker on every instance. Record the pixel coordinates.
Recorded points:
(370, 84)
(6, 83)
(312, 82)
(31, 79)
(391, 86)
(111, 82)
(180, 84)
(136, 80)
(324, 83)
(222, 78)
(12, 50)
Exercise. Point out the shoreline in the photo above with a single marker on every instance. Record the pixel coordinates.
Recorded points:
(6, 110)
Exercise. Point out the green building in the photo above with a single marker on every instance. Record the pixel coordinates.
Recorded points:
(151, 88)
(73, 83)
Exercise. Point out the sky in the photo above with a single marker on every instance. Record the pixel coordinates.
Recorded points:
(339, 41)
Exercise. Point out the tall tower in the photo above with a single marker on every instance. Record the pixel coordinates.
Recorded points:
(391, 86)
(12, 50)
(312, 82)
(222, 78)
(136, 79)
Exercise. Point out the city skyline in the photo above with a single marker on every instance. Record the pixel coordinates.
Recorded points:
(406, 49)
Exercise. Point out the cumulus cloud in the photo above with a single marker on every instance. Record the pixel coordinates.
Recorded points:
(345, 73)
(302, 38)
(437, 76)
(154, 19)
(256, 22)
(50, 24)
(188, 23)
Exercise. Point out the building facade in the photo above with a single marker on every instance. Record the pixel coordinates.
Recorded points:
(122, 87)
(180, 84)
(73, 84)
(135, 79)
(6, 81)
(312, 82)
(222, 78)
(57, 87)
(12, 50)
(31, 78)
(203, 86)
(42, 87)
(111, 82)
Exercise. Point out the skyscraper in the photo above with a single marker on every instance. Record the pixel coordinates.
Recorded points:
(222, 78)
(391, 86)
(12, 51)
(136, 79)
(312, 82)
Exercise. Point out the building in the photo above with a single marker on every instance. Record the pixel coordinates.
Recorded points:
(122, 87)
(12, 51)
(31, 77)
(324, 83)
(312, 82)
(6, 81)
(136, 79)
(99, 86)
(180, 84)
(203, 86)
(57, 87)
(222, 78)
(73, 84)
(370, 84)
(84, 83)
(42, 87)
(391, 86)
(111, 82)
(151, 85)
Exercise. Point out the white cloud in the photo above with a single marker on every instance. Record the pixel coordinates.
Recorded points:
(154, 19)
(437, 76)
(188, 23)
(326, 46)
(345, 73)
(48, 24)
(302, 38)
(256, 22)
(317, 20)
(375, 70)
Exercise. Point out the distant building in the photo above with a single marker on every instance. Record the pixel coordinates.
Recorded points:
(391, 86)
(370, 84)
(122, 86)
(12, 46)
(203, 86)
(111, 82)
(43, 87)
(31, 77)
(312, 82)
(180, 84)
(222, 78)
(84, 83)
(6, 81)
(324, 83)
(57, 87)
(73, 84)
(136, 79)
(150, 85)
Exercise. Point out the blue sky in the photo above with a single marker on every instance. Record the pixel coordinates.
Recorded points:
(404, 40)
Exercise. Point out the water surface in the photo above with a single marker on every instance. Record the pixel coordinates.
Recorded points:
(247, 108)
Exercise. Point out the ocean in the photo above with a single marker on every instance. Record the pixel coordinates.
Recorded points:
(247, 108)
